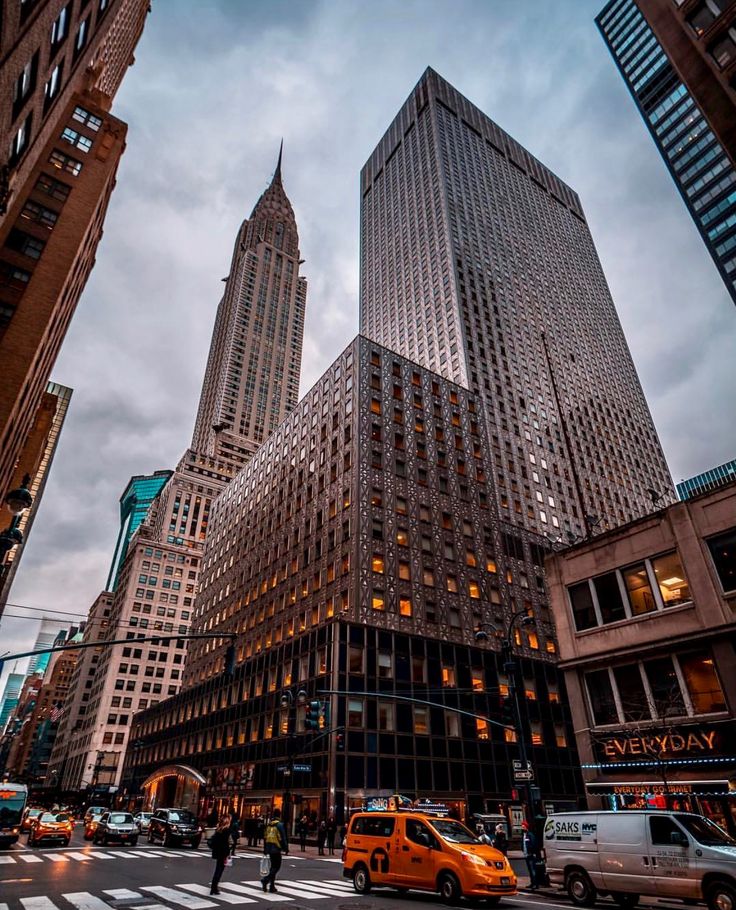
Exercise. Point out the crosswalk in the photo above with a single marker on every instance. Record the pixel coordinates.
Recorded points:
(188, 896)
(90, 855)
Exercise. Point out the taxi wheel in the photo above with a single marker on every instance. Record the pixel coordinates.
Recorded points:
(721, 896)
(580, 888)
(361, 880)
(449, 888)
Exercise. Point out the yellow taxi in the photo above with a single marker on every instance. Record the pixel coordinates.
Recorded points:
(51, 826)
(409, 849)
(29, 817)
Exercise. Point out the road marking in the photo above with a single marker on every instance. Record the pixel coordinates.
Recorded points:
(31, 858)
(125, 854)
(38, 903)
(296, 890)
(228, 898)
(6, 859)
(83, 900)
(179, 897)
(319, 887)
(340, 884)
(57, 857)
(78, 856)
(255, 891)
(98, 854)
(123, 894)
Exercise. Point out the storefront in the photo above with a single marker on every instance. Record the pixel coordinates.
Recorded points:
(691, 768)
(173, 785)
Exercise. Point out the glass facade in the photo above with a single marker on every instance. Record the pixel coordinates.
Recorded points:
(699, 165)
(708, 480)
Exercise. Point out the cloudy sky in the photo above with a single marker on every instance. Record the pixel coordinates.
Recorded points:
(215, 86)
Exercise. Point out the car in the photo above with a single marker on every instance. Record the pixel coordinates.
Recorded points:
(94, 810)
(174, 827)
(29, 817)
(424, 852)
(91, 820)
(143, 820)
(114, 826)
(51, 826)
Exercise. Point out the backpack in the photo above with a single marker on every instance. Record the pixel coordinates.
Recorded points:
(273, 835)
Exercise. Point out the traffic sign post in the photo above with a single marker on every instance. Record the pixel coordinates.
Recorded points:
(522, 773)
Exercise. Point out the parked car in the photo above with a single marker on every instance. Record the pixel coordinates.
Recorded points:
(56, 826)
(174, 827)
(118, 826)
(627, 854)
(143, 820)
(91, 820)
(29, 817)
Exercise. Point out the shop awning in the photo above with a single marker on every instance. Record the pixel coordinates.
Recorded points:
(673, 787)
(174, 771)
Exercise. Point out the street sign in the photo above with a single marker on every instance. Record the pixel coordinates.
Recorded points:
(302, 767)
(284, 769)
(522, 773)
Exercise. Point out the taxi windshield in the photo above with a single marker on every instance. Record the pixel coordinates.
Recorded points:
(705, 831)
(453, 832)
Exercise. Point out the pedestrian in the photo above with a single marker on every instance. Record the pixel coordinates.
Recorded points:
(321, 837)
(530, 849)
(500, 841)
(343, 835)
(234, 832)
(302, 832)
(260, 828)
(274, 844)
(331, 832)
(219, 843)
(483, 835)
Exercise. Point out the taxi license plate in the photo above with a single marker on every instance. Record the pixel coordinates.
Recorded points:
(505, 880)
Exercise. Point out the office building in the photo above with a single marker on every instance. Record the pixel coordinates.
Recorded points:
(35, 460)
(708, 480)
(49, 631)
(359, 550)
(62, 65)
(252, 376)
(647, 637)
(477, 262)
(13, 685)
(678, 65)
(134, 505)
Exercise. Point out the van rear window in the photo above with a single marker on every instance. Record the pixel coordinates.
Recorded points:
(373, 826)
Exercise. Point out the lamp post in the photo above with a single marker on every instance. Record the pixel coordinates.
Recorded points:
(17, 501)
(290, 700)
(510, 666)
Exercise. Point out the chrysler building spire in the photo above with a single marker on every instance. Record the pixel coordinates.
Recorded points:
(252, 377)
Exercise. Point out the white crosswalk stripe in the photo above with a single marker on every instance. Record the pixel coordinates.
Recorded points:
(78, 856)
(30, 858)
(179, 897)
(98, 854)
(57, 857)
(255, 891)
(294, 890)
(322, 888)
(38, 903)
(123, 894)
(339, 883)
(83, 900)
(125, 854)
(6, 859)
(223, 896)
(3, 907)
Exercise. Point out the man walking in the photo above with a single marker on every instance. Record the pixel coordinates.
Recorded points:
(274, 844)
(530, 848)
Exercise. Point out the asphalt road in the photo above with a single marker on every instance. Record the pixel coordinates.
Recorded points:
(85, 877)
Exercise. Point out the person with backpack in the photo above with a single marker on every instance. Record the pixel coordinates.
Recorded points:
(219, 843)
(274, 844)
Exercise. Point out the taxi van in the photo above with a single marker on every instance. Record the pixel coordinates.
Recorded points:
(424, 852)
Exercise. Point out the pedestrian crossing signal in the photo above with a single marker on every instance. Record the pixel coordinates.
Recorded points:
(324, 715)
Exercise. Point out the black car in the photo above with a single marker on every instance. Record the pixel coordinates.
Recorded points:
(174, 827)
(118, 826)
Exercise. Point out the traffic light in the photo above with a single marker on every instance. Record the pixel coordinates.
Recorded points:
(324, 715)
(508, 711)
(311, 718)
(340, 742)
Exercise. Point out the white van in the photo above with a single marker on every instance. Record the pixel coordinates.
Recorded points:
(627, 854)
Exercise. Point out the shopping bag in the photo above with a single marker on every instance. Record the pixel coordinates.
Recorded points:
(265, 866)
(229, 861)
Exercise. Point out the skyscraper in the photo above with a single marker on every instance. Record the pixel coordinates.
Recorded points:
(252, 376)
(62, 65)
(13, 685)
(477, 262)
(708, 480)
(676, 62)
(134, 505)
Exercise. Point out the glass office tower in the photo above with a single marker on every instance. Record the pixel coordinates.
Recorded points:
(698, 163)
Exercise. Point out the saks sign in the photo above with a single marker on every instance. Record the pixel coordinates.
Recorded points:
(692, 743)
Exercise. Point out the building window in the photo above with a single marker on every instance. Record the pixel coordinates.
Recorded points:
(418, 670)
(609, 597)
(671, 581)
(640, 594)
(377, 563)
(60, 27)
(53, 188)
(421, 720)
(701, 682)
(723, 551)
(20, 140)
(386, 716)
(355, 712)
(405, 607)
(452, 724)
(355, 659)
(482, 730)
(600, 693)
(560, 738)
(385, 665)
(65, 163)
(53, 86)
(83, 143)
(25, 244)
(448, 676)
(378, 601)
(632, 695)
(39, 214)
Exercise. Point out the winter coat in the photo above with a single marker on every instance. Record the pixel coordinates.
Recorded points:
(220, 844)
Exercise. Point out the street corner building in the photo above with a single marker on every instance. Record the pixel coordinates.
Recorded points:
(645, 619)
(356, 553)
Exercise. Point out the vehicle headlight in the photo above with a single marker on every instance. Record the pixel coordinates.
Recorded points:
(473, 859)
(15, 831)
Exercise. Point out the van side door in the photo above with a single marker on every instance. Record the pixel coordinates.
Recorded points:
(623, 853)
(417, 857)
(672, 858)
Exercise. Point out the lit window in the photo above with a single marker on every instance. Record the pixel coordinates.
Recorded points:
(405, 608)
(671, 580)
(474, 590)
(421, 720)
(448, 676)
(377, 563)
(378, 602)
(481, 728)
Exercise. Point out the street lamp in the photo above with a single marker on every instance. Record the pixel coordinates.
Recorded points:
(17, 501)
(510, 667)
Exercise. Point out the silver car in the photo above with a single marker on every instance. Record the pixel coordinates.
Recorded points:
(116, 826)
(143, 820)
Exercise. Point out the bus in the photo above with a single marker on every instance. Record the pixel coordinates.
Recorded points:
(13, 799)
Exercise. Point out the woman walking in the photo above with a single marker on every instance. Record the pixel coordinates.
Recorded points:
(220, 846)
